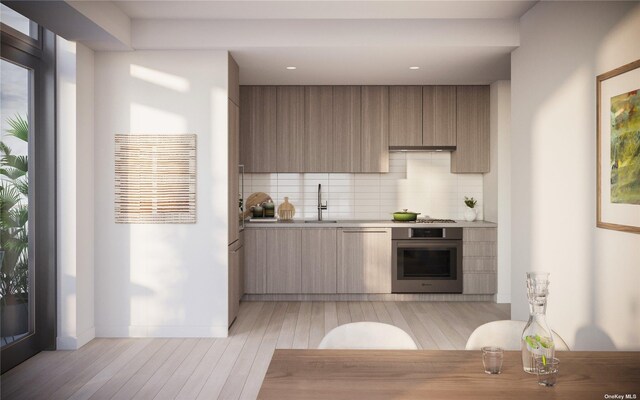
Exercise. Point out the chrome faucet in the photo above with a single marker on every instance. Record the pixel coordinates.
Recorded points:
(320, 205)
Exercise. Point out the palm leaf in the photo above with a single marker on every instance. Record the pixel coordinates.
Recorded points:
(9, 197)
(4, 149)
(22, 185)
(18, 162)
(12, 173)
(19, 127)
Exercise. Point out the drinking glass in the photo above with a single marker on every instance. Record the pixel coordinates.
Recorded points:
(547, 369)
(492, 359)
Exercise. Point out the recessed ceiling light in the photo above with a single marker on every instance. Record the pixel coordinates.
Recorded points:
(414, 67)
(292, 68)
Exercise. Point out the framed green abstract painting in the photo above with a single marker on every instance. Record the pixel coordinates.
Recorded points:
(618, 143)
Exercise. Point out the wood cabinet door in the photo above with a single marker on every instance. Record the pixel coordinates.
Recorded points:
(233, 278)
(284, 261)
(319, 260)
(405, 116)
(255, 261)
(318, 130)
(375, 129)
(258, 128)
(234, 185)
(364, 260)
(290, 128)
(439, 115)
(346, 129)
(479, 261)
(472, 121)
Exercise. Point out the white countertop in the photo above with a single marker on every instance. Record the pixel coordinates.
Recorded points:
(367, 224)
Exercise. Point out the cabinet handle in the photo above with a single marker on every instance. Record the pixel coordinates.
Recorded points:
(363, 231)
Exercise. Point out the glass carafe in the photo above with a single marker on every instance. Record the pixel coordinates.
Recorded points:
(537, 339)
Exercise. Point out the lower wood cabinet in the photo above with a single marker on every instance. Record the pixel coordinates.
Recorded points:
(364, 260)
(234, 276)
(255, 258)
(479, 261)
(319, 261)
(283, 267)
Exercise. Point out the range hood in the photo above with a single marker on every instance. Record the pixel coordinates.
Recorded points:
(422, 148)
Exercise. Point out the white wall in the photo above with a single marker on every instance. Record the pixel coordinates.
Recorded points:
(75, 195)
(418, 181)
(497, 183)
(162, 280)
(595, 273)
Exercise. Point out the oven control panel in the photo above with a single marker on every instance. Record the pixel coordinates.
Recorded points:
(426, 233)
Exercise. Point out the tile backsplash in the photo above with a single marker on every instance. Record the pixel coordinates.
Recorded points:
(419, 181)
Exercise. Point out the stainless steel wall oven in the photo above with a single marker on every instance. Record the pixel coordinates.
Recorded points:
(427, 260)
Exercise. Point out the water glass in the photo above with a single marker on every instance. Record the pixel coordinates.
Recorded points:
(547, 371)
(492, 360)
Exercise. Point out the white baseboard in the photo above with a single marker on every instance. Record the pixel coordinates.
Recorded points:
(66, 343)
(162, 331)
(503, 298)
(75, 342)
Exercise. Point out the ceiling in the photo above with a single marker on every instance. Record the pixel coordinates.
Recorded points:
(321, 9)
(339, 42)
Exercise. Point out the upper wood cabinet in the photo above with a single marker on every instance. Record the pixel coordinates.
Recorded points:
(364, 260)
(318, 132)
(439, 116)
(472, 125)
(347, 129)
(290, 128)
(233, 159)
(405, 116)
(258, 133)
(234, 81)
(375, 129)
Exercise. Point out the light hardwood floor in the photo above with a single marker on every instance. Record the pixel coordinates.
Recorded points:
(233, 367)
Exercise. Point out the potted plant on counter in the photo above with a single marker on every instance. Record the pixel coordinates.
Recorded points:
(14, 242)
(470, 212)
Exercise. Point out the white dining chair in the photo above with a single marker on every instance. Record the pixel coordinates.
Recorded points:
(369, 336)
(506, 334)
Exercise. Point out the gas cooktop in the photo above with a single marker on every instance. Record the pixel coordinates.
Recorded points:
(430, 221)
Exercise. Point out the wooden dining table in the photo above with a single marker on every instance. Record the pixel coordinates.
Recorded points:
(444, 374)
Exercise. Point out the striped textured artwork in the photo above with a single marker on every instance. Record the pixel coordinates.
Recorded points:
(155, 179)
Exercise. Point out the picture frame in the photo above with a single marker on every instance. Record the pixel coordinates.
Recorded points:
(618, 152)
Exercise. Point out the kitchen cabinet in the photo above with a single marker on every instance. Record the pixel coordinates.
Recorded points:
(234, 81)
(479, 261)
(347, 129)
(319, 260)
(258, 132)
(283, 261)
(364, 260)
(375, 129)
(290, 128)
(405, 116)
(439, 114)
(233, 161)
(318, 129)
(472, 130)
(234, 274)
(255, 261)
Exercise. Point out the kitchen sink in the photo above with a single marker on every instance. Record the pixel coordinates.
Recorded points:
(320, 222)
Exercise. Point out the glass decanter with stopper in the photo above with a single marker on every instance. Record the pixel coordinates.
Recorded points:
(537, 338)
